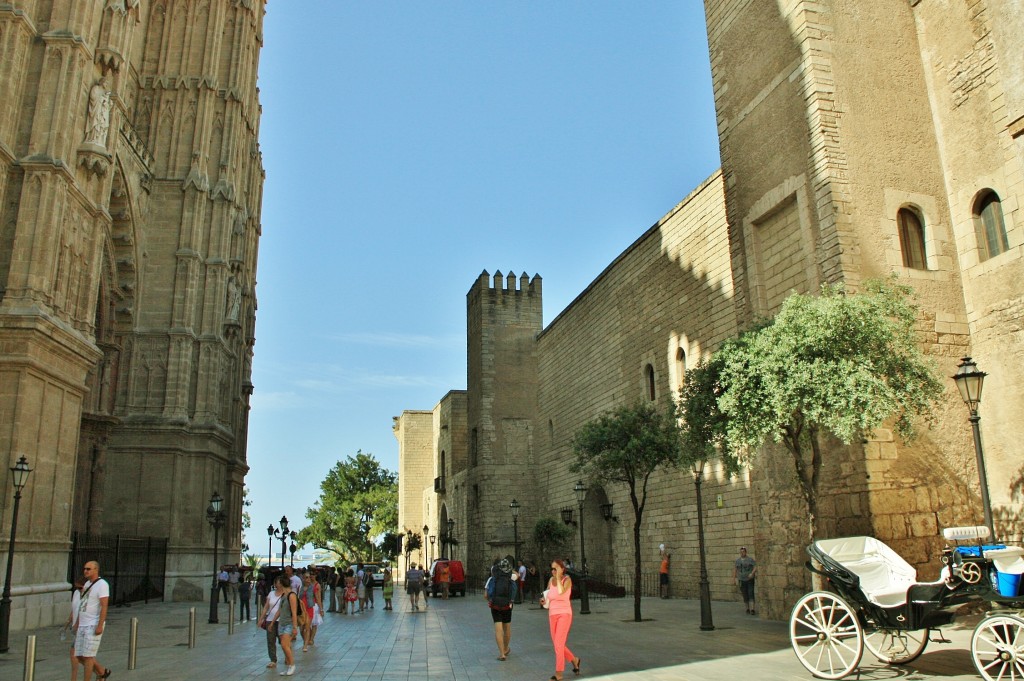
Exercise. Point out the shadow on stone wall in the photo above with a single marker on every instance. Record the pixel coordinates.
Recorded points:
(1009, 520)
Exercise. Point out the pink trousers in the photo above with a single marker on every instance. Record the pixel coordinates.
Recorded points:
(560, 625)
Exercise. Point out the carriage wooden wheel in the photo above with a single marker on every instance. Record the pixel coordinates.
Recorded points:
(826, 635)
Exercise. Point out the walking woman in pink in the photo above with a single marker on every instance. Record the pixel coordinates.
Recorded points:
(556, 600)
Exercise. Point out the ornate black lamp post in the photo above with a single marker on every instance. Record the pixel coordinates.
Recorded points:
(451, 536)
(706, 623)
(423, 547)
(515, 542)
(515, 527)
(216, 517)
(969, 380)
(431, 556)
(580, 490)
(270, 544)
(19, 476)
(282, 534)
(292, 548)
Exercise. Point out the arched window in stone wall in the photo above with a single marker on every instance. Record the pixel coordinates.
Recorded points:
(989, 227)
(651, 386)
(680, 368)
(911, 230)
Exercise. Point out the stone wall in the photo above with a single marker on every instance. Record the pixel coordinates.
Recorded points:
(850, 113)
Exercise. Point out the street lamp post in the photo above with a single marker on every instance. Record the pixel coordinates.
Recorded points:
(270, 544)
(423, 546)
(580, 490)
(430, 558)
(706, 620)
(292, 548)
(515, 542)
(451, 536)
(969, 380)
(20, 473)
(216, 517)
(282, 534)
(515, 527)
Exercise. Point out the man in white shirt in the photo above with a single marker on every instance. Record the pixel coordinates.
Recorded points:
(295, 580)
(92, 617)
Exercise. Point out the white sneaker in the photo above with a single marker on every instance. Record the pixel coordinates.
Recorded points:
(289, 671)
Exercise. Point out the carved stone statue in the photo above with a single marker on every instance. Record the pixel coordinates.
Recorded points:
(99, 114)
(234, 299)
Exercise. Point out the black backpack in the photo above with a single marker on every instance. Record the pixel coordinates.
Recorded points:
(501, 591)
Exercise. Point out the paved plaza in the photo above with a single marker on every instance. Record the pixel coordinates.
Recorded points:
(454, 639)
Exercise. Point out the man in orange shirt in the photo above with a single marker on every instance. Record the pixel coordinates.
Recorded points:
(443, 578)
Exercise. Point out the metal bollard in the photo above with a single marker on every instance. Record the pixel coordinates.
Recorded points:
(231, 615)
(133, 643)
(30, 658)
(191, 627)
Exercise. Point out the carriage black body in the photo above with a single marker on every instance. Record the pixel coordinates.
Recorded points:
(829, 629)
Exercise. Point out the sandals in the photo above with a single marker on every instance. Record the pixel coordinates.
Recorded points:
(576, 666)
(104, 674)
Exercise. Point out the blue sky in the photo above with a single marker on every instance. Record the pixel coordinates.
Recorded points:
(410, 145)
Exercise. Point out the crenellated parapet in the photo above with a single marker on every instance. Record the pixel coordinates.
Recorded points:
(505, 287)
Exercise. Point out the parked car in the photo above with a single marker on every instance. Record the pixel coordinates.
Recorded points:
(456, 578)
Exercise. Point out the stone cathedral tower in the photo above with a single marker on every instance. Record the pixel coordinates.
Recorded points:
(130, 189)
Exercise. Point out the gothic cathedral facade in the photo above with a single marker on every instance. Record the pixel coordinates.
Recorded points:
(130, 187)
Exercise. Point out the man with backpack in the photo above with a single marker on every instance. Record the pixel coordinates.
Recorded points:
(368, 582)
(501, 594)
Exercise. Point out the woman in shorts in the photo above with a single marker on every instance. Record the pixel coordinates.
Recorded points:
(287, 622)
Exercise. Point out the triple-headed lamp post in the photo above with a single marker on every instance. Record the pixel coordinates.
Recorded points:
(580, 490)
(280, 533)
(19, 476)
(969, 380)
(216, 517)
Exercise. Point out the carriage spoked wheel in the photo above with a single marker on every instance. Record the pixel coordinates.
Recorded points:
(997, 647)
(894, 646)
(826, 635)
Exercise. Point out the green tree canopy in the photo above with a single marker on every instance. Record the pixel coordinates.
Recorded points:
(841, 363)
(626, 445)
(358, 501)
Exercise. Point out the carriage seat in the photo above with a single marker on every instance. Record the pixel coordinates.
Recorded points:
(884, 576)
(959, 534)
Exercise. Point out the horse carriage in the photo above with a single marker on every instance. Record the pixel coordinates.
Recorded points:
(876, 602)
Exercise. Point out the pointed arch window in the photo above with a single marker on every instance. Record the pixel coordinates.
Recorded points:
(989, 226)
(911, 228)
(649, 374)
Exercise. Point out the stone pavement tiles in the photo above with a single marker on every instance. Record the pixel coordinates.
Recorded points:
(454, 639)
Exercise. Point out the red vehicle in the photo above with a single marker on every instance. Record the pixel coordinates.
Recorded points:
(456, 578)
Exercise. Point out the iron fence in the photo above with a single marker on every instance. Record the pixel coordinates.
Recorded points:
(134, 567)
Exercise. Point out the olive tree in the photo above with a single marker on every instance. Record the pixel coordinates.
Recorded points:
(626, 445)
(836, 363)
